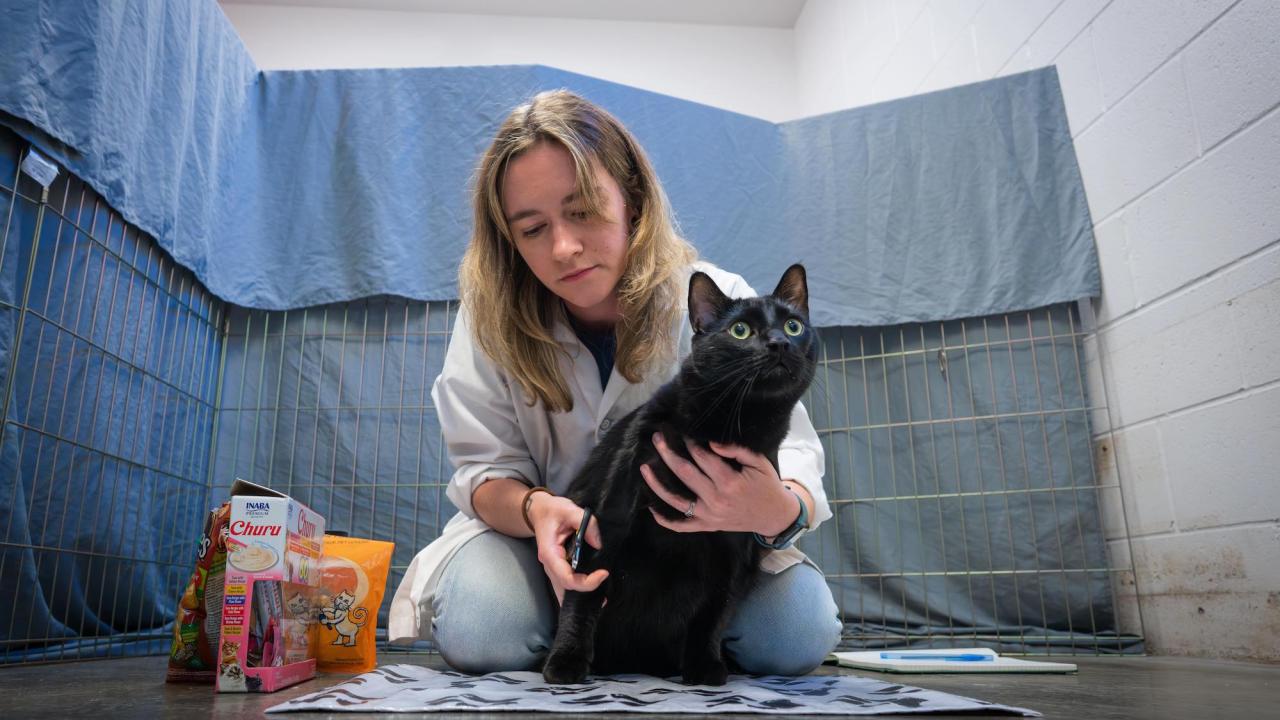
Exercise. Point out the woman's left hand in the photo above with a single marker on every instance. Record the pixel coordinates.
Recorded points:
(752, 499)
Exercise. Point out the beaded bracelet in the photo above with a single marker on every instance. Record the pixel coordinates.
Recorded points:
(528, 499)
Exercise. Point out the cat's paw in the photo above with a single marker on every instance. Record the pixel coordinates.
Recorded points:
(708, 672)
(565, 669)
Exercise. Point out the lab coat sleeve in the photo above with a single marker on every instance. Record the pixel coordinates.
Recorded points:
(475, 403)
(800, 458)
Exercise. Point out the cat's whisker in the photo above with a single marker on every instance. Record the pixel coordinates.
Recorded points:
(714, 404)
(818, 386)
(729, 375)
(725, 384)
(742, 400)
(730, 380)
(736, 416)
(750, 371)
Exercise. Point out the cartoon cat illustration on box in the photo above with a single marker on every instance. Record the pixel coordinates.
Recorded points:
(342, 619)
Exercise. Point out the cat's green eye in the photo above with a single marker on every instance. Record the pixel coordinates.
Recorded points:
(793, 327)
(740, 330)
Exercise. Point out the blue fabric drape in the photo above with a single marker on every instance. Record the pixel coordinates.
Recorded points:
(291, 189)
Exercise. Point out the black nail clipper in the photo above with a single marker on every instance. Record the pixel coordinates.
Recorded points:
(579, 539)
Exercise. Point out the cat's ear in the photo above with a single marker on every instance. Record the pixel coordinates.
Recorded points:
(793, 289)
(706, 302)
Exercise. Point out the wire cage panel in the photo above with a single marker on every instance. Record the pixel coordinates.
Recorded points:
(961, 476)
(333, 406)
(109, 358)
(959, 461)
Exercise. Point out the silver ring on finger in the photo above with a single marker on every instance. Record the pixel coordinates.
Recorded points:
(688, 512)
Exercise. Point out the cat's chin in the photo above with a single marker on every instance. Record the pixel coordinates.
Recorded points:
(781, 371)
(780, 383)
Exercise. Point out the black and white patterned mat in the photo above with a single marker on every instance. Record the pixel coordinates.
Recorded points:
(411, 688)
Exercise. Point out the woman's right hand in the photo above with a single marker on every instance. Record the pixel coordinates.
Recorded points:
(555, 519)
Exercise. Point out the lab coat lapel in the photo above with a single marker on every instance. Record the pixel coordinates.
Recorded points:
(626, 396)
(579, 367)
(612, 391)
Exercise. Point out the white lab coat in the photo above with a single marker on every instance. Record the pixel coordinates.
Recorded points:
(490, 431)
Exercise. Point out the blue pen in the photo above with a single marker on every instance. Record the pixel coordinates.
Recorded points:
(962, 657)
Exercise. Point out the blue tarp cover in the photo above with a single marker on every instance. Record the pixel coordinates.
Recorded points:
(290, 189)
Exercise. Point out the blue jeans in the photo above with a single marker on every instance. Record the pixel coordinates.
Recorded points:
(494, 611)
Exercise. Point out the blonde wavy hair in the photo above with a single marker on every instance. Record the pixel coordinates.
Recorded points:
(511, 312)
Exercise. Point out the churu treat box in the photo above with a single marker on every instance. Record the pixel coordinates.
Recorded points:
(273, 551)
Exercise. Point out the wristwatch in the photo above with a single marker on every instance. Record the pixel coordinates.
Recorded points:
(785, 538)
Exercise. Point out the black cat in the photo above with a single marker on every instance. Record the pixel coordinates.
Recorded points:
(671, 594)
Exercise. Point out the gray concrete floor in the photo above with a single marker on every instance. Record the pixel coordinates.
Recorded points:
(1164, 688)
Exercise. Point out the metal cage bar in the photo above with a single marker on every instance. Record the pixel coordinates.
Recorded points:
(109, 395)
(966, 500)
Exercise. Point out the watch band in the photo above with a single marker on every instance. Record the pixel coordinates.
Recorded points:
(786, 537)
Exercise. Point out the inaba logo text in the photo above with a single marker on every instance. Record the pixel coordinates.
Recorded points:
(258, 506)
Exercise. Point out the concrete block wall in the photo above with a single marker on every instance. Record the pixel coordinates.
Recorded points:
(1173, 108)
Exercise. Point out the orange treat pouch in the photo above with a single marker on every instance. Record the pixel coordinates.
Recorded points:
(353, 579)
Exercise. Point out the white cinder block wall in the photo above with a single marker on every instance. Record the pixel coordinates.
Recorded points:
(1172, 104)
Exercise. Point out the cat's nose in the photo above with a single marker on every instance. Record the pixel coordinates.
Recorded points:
(776, 341)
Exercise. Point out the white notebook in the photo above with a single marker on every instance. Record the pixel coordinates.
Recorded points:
(948, 660)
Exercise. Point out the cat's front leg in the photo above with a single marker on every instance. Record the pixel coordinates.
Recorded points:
(703, 662)
(574, 646)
